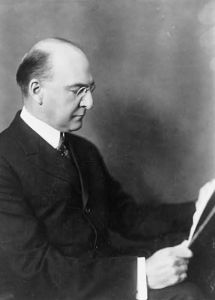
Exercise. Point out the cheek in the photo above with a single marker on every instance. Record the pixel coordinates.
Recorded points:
(71, 105)
(67, 111)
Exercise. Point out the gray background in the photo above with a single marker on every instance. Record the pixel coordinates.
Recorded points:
(153, 63)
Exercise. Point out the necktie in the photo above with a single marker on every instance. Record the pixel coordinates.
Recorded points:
(62, 148)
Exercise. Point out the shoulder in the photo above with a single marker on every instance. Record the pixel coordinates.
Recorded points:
(10, 136)
(8, 150)
(6, 140)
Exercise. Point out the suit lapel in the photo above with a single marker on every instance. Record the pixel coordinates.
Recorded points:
(41, 154)
(80, 165)
(50, 161)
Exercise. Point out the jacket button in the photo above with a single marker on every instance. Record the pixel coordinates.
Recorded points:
(87, 210)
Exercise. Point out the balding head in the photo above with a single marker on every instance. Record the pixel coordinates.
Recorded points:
(56, 83)
(38, 61)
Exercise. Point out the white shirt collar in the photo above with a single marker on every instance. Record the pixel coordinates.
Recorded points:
(48, 133)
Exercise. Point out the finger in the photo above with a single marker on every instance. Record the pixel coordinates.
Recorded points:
(180, 269)
(186, 261)
(182, 262)
(182, 252)
(182, 277)
(183, 269)
(185, 243)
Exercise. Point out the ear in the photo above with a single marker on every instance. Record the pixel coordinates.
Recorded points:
(35, 91)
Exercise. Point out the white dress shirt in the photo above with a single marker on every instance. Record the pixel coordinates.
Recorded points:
(48, 133)
(52, 136)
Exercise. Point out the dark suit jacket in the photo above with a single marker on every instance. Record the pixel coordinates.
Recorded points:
(54, 221)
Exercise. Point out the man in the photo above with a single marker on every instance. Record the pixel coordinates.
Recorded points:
(58, 201)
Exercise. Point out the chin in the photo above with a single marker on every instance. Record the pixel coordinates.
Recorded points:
(75, 127)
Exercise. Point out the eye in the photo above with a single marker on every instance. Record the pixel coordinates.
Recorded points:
(74, 90)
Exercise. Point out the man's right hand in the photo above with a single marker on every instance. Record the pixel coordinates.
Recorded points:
(168, 266)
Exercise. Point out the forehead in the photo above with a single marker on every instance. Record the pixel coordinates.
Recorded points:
(70, 65)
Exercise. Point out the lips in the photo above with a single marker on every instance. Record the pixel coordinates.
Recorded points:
(78, 116)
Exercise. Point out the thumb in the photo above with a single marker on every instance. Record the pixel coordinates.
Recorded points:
(185, 244)
(182, 250)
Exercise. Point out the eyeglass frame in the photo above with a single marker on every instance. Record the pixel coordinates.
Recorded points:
(85, 90)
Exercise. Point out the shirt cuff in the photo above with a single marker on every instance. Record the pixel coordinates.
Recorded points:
(141, 279)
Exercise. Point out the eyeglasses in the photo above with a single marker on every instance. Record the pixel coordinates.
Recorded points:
(84, 90)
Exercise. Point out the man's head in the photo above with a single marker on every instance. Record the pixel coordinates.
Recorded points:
(56, 83)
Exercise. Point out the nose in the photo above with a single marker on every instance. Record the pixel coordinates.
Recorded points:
(87, 101)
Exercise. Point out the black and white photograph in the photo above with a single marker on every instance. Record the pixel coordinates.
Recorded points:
(107, 150)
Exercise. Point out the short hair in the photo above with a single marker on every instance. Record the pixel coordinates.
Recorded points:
(37, 64)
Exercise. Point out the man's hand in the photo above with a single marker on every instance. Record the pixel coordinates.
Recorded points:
(168, 266)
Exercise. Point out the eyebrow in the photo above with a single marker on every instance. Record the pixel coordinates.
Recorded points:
(79, 85)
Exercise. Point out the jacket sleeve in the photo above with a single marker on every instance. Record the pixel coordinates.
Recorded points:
(37, 270)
